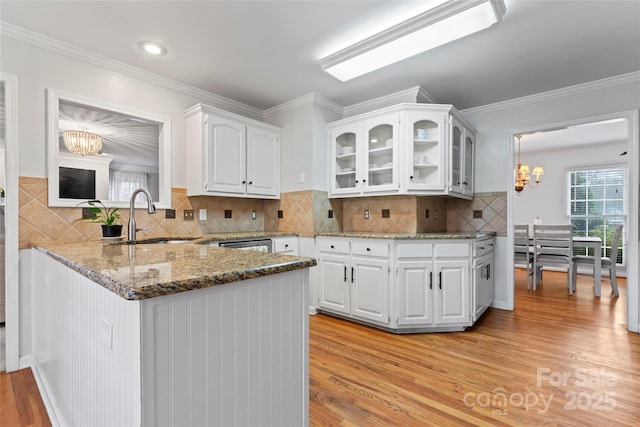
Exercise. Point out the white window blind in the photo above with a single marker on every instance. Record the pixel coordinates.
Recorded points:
(596, 206)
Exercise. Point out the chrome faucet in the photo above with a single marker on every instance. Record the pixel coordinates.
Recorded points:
(132, 216)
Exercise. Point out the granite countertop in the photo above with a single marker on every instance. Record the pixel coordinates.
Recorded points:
(410, 236)
(141, 271)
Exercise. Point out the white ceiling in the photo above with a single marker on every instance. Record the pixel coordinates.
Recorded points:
(264, 53)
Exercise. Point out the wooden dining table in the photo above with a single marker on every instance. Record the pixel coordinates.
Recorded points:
(596, 244)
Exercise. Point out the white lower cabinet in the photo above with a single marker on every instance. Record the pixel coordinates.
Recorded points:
(285, 245)
(433, 288)
(354, 279)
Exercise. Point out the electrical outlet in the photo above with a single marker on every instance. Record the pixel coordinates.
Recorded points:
(106, 332)
(203, 214)
(435, 214)
(366, 214)
(187, 214)
(228, 213)
(477, 214)
(386, 213)
(169, 213)
(253, 214)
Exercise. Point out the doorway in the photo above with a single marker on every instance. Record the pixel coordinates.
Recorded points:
(566, 150)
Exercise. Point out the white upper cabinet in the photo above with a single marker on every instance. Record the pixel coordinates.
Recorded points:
(462, 155)
(422, 149)
(364, 159)
(229, 155)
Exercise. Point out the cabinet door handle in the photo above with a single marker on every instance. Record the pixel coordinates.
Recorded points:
(244, 182)
(250, 182)
(333, 247)
(368, 249)
(345, 273)
(352, 274)
(286, 245)
(364, 180)
(411, 177)
(357, 181)
(431, 280)
(440, 279)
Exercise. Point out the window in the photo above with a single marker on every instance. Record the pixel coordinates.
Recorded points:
(124, 183)
(596, 205)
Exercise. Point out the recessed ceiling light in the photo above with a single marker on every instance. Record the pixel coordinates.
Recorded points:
(152, 48)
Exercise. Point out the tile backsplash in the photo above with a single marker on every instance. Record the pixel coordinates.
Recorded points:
(303, 212)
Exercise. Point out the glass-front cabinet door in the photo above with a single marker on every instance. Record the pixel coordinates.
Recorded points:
(457, 157)
(344, 155)
(467, 181)
(381, 165)
(425, 160)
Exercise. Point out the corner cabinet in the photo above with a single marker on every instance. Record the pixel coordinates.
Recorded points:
(438, 285)
(405, 149)
(230, 155)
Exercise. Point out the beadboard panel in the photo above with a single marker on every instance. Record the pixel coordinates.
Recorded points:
(89, 379)
(260, 377)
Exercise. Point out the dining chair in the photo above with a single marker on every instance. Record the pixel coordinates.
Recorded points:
(607, 262)
(553, 247)
(522, 250)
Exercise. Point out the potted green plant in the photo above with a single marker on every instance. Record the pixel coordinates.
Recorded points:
(108, 217)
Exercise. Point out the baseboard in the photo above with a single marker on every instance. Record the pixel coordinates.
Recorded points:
(48, 405)
(25, 362)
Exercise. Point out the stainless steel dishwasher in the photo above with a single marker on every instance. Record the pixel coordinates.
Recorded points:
(260, 245)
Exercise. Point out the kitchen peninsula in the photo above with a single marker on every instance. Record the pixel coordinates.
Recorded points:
(170, 334)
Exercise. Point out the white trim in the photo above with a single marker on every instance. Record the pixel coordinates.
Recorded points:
(46, 401)
(12, 255)
(556, 93)
(411, 95)
(77, 53)
(310, 98)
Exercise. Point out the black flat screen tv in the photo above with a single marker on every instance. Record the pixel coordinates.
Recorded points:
(77, 183)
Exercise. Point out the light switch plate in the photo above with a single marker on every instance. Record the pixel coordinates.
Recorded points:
(203, 214)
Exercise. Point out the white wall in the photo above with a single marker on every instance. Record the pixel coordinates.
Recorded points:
(548, 201)
(494, 163)
(296, 146)
(304, 141)
(39, 69)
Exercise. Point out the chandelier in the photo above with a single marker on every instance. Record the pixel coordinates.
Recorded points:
(82, 142)
(523, 173)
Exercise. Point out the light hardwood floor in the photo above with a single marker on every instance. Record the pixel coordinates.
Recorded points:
(555, 360)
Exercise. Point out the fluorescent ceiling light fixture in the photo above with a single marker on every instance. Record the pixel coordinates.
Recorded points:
(152, 48)
(435, 27)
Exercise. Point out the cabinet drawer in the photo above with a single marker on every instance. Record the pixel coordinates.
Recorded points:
(482, 247)
(415, 250)
(285, 244)
(333, 245)
(370, 248)
(451, 250)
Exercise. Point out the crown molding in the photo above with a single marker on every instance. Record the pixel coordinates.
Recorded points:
(74, 52)
(608, 82)
(310, 98)
(411, 95)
